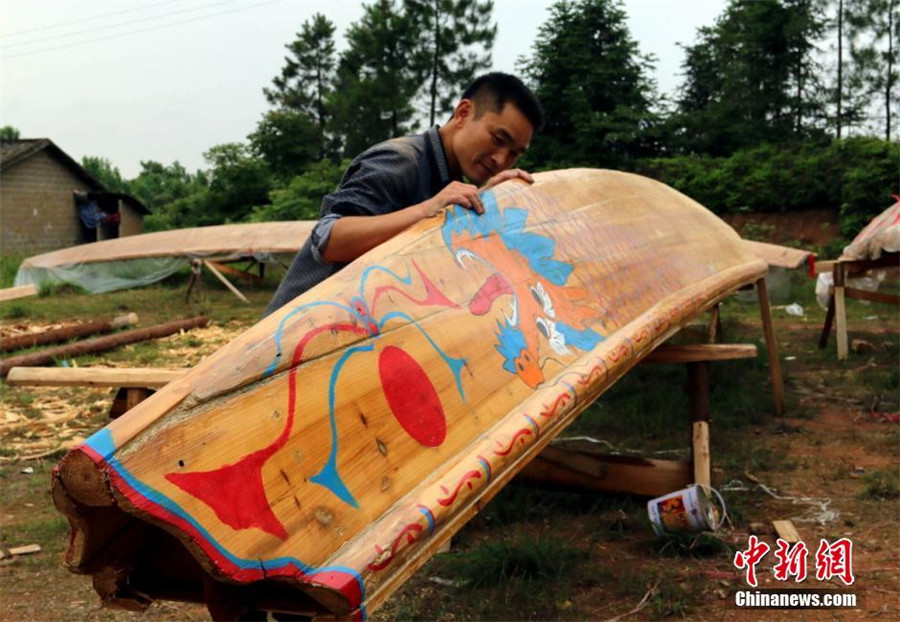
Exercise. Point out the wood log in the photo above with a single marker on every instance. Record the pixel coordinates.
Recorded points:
(100, 344)
(65, 333)
(14, 293)
(334, 447)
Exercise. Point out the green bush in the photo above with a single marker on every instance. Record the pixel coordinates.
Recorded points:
(856, 175)
(302, 197)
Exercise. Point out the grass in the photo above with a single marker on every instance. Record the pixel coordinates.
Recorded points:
(9, 265)
(881, 485)
(522, 556)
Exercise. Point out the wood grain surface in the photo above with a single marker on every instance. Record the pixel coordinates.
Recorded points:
(335, 446)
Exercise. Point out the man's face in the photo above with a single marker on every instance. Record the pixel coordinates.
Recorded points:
(490, 143)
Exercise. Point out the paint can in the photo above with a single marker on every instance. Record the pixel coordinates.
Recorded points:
(688, 510)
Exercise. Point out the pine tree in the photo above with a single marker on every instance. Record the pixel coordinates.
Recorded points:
(376, 79)
(307, 79)
(592, 81)
(454, 42)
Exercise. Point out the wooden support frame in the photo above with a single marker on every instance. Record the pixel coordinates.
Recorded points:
(572, 468)
(839, 293)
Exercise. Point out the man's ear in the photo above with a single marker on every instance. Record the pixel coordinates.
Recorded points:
(464, 111)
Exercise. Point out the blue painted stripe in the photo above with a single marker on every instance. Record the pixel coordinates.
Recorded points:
(280, 330)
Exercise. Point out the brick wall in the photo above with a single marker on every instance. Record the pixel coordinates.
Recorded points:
(132, 220)
(37, 210)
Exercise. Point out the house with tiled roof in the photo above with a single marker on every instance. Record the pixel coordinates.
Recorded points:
(49, 201)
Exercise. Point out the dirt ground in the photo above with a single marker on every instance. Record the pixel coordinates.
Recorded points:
(832, 466)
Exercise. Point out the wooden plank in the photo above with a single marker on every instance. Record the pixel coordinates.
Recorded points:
(131, 377)
(27, 549)
(695, 352)
(700, 452)
(786, 531)
(240, 274)
(577, 470)
(771, 346)
(862, 294)
(234, 290)
(779, 256)
(840, 312)
(14, 293)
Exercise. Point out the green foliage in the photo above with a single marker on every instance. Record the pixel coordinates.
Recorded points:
(157, 185)
(867, 170)
(287, 140)
(882, 485)
(9, 265)
(872, 74)
(108, 175)
(8, 133)
(303, 88)
(377, 78)
(302, 197)
(455, 41)
(857, 174)
(751, 78)
(592, 81)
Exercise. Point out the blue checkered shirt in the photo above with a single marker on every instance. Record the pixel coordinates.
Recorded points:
(385, 178)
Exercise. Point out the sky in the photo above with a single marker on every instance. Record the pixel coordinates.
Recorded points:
(166, 80)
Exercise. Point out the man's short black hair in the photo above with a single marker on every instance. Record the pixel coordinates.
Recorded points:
(492, 91)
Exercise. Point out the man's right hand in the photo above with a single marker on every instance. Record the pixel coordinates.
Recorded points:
(454, 193)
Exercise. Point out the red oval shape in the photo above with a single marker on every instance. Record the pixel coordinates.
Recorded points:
(412, 397)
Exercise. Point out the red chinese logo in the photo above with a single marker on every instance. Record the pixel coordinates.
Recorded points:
(791, 561)
(835, 560)
(748, 560)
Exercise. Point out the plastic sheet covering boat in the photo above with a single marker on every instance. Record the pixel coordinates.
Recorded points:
(315, 462)
(138, 260)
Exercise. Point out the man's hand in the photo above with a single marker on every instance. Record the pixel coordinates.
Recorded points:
(453, 193)
(513, 173)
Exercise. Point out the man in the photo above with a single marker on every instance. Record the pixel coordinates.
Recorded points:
(399, 182)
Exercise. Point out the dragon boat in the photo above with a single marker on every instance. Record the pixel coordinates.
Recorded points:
(315, 462)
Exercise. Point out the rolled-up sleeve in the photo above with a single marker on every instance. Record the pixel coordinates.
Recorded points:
(372, 186)
(320, 235)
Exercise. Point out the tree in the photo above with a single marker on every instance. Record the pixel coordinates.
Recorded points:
(872, 26)
(108, 175)
(307, 78)
(455, 41)
(301, 199)
(287, 140)
(157, 185)
(8, 133)
(751, 78)
(376, 78)
(238, 181)
(592, 81)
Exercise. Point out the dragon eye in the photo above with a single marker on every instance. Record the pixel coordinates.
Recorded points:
(537, 296)
(543, 328)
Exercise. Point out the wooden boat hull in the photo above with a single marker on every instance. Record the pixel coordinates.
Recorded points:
(334, 446)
